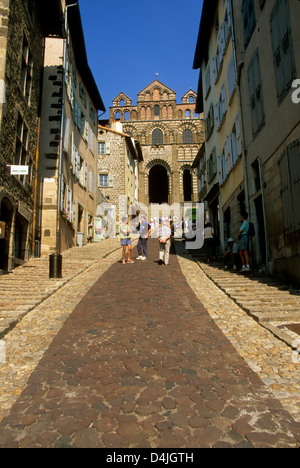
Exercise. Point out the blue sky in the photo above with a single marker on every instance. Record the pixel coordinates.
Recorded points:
(129, 41)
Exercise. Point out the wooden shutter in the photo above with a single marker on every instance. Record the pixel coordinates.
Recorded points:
(66, 134)
(85, 174)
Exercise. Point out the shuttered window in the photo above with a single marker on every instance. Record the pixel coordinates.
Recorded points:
(289, 164)
(248, 11)
(256, 94)
(283, 51)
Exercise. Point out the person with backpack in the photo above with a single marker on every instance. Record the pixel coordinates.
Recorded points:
(243, 236)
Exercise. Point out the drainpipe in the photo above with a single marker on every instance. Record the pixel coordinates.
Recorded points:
(264, 215)
(35, 187)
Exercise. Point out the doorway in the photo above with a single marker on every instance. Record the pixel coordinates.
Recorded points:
(158, 185)
(187, 185)
(261, 256)
(6, 215)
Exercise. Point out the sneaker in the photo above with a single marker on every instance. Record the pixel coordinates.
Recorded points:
(139, 257)
(243, 268)
(248, 267)
(143, 258)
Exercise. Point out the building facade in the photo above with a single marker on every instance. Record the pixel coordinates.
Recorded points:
(24, 25)
(267, 35)
(261, 120)
(68, 144)
(119, 156)
(221, 164)
(169, 134)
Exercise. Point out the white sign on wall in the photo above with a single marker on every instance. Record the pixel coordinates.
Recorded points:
(19, 170)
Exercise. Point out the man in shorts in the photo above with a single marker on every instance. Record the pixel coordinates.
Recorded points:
(125, 231)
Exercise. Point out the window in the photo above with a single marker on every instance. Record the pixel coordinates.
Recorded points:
(187, 136)
(221, 107)
(103, 180)
(248, 11)
(91, 182)
(209, 122)
(21, 144)
(207, 81)
(283, 51)
(82, 95)
(290, 186)
(212, 165)
(101, 147)
(26, 71)
(157, 137)
(256, 94)
(156, 110)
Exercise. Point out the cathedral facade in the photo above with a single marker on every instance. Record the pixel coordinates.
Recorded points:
(170, 135)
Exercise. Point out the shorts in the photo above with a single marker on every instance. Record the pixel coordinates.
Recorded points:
(244, 242)
(126, 242)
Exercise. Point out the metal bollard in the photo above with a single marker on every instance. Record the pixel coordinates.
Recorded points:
(55, 266)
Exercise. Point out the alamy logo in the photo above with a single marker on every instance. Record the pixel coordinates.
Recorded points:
(188, 219)
(296, 93)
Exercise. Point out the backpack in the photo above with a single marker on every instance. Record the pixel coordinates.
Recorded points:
(251, 230)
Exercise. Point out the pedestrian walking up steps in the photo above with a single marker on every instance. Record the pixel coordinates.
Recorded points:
(273, 304)
(29, 285)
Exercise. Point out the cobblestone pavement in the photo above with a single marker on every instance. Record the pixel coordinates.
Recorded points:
(29, 285)
(129, 356)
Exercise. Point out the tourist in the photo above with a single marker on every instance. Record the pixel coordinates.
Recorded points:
(164, 242)
(243, 236)
(144, 230)
(231, 255)
(125, 231)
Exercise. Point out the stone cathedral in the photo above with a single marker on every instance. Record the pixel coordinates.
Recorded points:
(170, 135)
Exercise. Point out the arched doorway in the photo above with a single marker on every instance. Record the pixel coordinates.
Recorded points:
(158, 185)
(6, 215)
(187, 185)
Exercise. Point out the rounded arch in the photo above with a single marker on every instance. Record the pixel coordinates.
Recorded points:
(187, 182)
(158, 183)
(155, 162)
(157, 137)
(130, 129)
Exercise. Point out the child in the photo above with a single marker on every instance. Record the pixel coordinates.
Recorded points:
(125, 231)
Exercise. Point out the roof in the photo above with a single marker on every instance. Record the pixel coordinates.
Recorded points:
(50, 14)
(133, 144)
(199, 155)
(76, 31)
(206, 22)
(156, 82)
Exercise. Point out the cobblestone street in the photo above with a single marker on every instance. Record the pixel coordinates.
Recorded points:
(145, 355)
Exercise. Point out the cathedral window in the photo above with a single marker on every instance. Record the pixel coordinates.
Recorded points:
(157, 137)
(187, 136)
